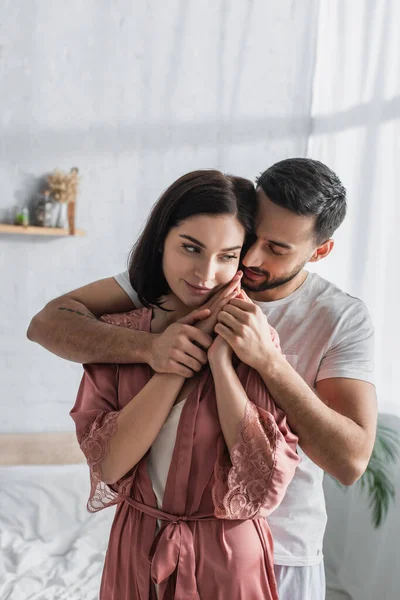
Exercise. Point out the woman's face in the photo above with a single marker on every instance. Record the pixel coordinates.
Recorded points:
(201, 255)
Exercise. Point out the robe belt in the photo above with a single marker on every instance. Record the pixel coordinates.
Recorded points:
(173, 550)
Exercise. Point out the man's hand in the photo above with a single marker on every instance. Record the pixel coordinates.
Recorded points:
(244, 326)
(182, 347)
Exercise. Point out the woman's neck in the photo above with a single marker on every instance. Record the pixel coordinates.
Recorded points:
(174, 310)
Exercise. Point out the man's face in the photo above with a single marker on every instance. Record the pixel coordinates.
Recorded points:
(284, 244)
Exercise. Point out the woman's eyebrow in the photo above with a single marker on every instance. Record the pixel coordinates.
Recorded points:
(192, 239)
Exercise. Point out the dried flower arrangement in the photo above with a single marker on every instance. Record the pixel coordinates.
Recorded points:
(63, 187)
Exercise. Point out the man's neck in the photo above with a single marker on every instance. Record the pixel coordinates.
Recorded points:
(280, 292)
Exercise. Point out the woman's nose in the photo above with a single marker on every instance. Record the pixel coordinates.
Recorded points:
(206, 271)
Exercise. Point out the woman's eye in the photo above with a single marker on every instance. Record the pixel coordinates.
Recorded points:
(228, 257)
(190, 249)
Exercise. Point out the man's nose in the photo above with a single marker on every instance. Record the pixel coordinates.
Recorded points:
(253, 257)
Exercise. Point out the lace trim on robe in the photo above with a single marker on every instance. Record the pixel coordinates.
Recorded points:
(96, 441)
(130, 320)
(242, 478)
(95, 445)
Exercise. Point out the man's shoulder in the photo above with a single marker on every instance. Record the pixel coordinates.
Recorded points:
(334, 310)
(324, 293)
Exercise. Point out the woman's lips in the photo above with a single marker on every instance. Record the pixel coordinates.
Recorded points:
(200, 291)
(249, 274)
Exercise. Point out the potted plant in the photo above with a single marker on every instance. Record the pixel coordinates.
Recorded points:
(376, 482)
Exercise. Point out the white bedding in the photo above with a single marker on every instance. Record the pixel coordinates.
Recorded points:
(51, 548)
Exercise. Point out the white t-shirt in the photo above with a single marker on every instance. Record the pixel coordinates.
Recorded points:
(324, 333)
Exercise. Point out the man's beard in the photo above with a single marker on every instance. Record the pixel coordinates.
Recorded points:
(269, 282)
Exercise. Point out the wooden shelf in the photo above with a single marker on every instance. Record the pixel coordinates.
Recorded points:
(31, 230)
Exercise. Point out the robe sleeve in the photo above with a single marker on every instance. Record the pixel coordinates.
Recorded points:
(95, 414)
(252, 479)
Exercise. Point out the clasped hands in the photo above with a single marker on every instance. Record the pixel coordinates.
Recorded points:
(228, 322)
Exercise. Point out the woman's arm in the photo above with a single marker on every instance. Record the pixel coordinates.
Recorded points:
(138, 425)
(231, 397)
(252, 478)
(113, 439)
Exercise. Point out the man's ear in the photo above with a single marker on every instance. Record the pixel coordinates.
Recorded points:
(322, 251)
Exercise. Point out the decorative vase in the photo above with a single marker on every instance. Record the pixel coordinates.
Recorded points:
(62, 220)
(54, 213)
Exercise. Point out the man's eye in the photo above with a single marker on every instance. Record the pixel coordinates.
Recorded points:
(190, 249)
(275, 252)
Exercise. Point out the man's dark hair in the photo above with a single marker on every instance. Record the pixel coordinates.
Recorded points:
(203, 192)
(307, 187)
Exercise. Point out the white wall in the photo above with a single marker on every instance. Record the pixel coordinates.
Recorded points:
(134, 94)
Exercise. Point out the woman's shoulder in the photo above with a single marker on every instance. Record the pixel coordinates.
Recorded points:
(138, 319)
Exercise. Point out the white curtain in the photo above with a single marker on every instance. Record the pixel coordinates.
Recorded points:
(356, 131)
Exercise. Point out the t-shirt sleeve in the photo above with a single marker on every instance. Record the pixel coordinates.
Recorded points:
(123, 280)
(351, 349)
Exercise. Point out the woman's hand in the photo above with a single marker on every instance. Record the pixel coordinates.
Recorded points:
(219, 353)
(217, 302)
(182, 347)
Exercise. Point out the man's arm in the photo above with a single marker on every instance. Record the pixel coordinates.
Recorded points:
(69, 327)
(336, 428)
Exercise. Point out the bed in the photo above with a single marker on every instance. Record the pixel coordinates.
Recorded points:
(51, 548)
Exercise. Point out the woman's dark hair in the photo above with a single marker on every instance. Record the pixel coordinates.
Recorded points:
(307, 187)
(204, 192)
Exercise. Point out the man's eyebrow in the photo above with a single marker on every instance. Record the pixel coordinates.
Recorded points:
(192, 239)
(281, 244)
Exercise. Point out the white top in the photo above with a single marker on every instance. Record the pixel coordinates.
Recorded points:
(160, 456)
(324, 333)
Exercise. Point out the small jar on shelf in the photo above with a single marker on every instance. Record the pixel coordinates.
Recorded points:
(22, 216)
(44, 210)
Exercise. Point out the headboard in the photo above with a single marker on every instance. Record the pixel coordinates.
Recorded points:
(40, 449)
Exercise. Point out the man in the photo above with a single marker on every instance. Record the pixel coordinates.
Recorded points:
(324, 383)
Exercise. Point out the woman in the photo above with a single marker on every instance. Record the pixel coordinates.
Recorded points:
(194, 465)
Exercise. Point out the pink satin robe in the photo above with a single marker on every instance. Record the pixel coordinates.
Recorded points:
(215, 543)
